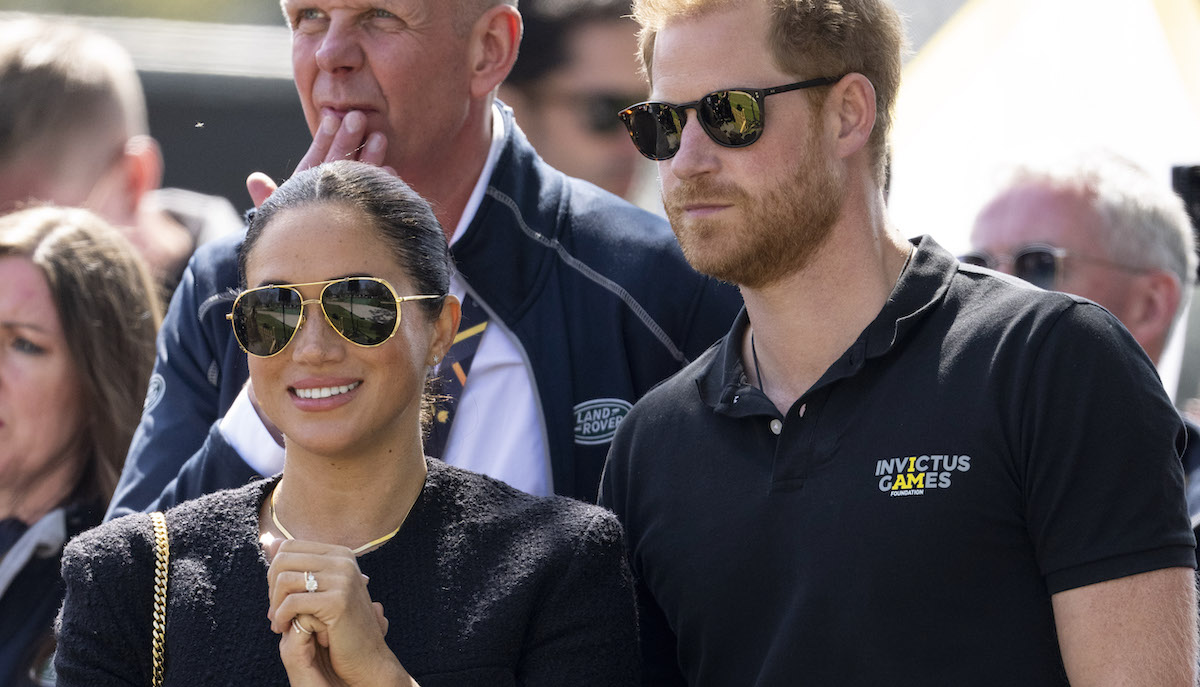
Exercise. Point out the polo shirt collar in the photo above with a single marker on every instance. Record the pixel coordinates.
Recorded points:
(725, 386)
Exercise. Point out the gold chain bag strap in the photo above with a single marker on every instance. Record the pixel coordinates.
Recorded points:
(162, 557)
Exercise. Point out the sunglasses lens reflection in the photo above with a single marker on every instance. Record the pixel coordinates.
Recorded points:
(732, 118)
(264, 320)
(655, 129)
(362, 310)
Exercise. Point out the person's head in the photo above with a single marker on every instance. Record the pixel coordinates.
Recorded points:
(334, 389)
(807, 39)
(423, 71)
(73, 123)
(78, 317)
(577, 68)
(1098, 227)
(754, 183)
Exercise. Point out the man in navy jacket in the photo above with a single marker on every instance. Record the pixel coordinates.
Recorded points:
(589, 300)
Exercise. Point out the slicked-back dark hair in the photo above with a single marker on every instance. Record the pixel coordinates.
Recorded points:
(403, 220)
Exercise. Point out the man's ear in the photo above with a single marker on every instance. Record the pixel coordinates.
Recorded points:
(1151, 308)
(493, 46)
(119, 191)
(851, 108)
(143, 167)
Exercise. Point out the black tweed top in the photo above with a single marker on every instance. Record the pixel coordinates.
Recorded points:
(484, 585)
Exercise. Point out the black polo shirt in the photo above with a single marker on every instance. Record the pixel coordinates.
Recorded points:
(980, 447)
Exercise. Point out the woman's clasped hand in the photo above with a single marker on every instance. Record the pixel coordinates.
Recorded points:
(331, 631)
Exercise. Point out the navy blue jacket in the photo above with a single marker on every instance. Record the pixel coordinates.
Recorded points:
(29, 605)
(596, 291)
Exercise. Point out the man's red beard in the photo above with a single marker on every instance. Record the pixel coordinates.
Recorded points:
(761, 237)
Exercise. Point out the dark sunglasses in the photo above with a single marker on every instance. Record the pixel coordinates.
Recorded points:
(733, 118)
(364, 310)
(1039, 264)
(597, 109)
(594, 109)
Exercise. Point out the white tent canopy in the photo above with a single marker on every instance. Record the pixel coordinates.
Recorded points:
(1008, 81)
(1025, 81)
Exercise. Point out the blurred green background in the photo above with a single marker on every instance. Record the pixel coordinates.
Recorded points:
(229, 11)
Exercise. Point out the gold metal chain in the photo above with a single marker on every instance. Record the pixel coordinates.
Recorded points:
(162, 559)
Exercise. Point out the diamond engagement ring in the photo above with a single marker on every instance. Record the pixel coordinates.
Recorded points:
(310, 582)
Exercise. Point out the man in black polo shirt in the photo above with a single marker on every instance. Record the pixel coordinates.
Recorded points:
(894, 470)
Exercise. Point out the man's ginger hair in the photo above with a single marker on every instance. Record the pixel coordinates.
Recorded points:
(811, 38)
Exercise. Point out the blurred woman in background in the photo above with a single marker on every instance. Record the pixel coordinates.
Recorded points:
(78, 317)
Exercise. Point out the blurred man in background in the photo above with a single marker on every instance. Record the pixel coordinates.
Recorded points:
(74, 132)
(1102, 228)
(577, 68)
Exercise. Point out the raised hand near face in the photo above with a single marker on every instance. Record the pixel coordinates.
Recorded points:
(344, 138)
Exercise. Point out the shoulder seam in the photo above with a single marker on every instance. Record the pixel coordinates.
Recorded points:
(211, 302)
(592, 275)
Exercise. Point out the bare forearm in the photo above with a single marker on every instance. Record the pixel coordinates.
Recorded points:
(1131, 631)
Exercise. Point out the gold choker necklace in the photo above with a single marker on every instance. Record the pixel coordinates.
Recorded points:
(364, 547)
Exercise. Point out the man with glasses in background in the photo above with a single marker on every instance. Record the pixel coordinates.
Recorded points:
(577, 68)
(1102, 228)
(895, 469)
(575, 303)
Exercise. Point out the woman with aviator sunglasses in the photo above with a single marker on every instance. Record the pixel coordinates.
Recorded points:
(364, 562)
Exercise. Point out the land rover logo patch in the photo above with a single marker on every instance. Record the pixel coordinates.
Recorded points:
(596, 420)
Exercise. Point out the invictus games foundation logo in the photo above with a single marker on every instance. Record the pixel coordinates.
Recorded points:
(912, 475)
(596, 420)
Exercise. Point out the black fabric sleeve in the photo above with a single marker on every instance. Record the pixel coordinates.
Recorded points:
(657, 642)
(1101, 443)
(104, 626)
(585, 629)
